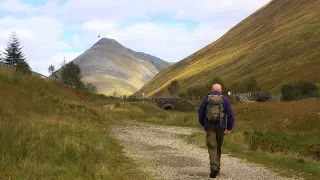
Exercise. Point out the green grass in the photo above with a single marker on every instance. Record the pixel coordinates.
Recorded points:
(148, 112)
(278, 44)
(283, 135)
(286, 164)
(48, 132)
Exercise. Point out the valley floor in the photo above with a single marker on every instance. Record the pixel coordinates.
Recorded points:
(162, 152)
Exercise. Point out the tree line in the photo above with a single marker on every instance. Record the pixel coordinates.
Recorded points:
(174, 87)
(293, 91)
(70, 75)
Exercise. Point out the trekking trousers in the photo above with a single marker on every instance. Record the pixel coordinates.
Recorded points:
(214, 141)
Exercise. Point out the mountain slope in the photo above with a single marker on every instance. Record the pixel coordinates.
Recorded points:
(112, 67)
(277, 44)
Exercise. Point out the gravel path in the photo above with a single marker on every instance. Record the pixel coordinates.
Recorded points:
(160, 151)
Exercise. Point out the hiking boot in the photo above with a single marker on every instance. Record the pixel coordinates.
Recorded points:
(213, 173)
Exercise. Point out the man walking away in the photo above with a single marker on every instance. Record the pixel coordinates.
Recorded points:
(216, 116)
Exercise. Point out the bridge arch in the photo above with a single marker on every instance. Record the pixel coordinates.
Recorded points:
(168, 107)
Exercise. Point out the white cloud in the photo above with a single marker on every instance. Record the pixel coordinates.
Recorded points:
(169, 42)
(39, 37)
(201, 10)
(97, 25)
(43, 29)
(15, 6)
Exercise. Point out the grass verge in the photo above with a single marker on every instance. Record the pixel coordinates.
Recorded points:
(48, 132)
(287, 165)
(283, 135)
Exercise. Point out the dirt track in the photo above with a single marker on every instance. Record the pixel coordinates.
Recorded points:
(159, 150)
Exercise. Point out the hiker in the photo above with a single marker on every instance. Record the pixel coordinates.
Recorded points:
(216, 116)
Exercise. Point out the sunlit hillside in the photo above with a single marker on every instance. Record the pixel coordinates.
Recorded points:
(277, 44)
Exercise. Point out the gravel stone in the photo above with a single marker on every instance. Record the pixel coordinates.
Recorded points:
(160, 151)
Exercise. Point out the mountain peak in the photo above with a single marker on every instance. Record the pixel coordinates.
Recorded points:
(108, 41)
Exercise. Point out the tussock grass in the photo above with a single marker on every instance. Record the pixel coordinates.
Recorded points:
(48, 132)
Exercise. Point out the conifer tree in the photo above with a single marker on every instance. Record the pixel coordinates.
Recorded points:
(14, 55)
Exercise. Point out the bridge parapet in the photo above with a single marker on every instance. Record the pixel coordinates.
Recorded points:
(171, 103)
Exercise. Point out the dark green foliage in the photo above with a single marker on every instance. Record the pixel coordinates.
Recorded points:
(252, 85)
(201, 91)
(14, 56)
(1, 59)
(174, 88)
(299, 90)
(71, 75)
(92, 88)
(131, 98)
(53, 73)
(117, 105)
(237, 88)
(288, 92)
(217, 80)
(198, 91)
(24, 67)
(51, 69)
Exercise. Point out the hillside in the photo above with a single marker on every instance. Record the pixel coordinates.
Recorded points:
(112, 67)
(48, 132)
(277, 44)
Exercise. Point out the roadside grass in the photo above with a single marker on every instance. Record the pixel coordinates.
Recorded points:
(48, 132)
(284, 135)
(148, 112)
(288, 165)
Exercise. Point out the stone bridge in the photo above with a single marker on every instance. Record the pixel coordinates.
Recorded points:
(169, 103)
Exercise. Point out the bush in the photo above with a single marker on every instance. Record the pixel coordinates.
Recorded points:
(252, 85)
(117, 105)
(183, 95)
(218, 80)
(299, 90)
(198, 91)
(174, 88)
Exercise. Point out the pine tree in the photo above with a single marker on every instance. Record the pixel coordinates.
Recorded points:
(14, 56)
(1, 59)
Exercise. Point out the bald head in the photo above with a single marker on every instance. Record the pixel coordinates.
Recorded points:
(217, 87)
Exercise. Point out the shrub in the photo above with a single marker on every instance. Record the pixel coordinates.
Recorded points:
(299, 90)
(174, 88)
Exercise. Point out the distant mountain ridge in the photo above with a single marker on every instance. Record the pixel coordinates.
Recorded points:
(112, 67)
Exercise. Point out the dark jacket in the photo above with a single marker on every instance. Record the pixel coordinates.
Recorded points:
(227, 110)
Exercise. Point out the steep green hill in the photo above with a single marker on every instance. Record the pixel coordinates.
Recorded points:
(277, 44)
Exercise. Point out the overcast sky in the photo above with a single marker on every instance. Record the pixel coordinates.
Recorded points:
(169, 29)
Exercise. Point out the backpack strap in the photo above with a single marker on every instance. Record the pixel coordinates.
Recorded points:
(224, 106)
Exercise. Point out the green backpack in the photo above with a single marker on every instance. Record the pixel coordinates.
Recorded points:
(215, 109)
